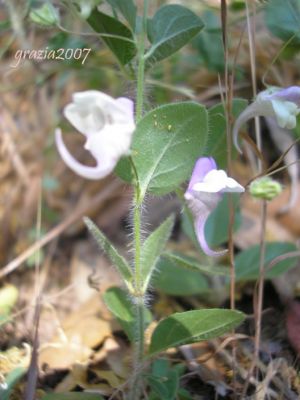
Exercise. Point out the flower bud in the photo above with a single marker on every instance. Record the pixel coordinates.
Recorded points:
(47, 15)
(87, 6)
(265, 188)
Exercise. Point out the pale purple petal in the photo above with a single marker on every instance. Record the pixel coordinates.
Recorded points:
(127, 104)
(95, 173)
(200, 233)
(291, 94)
(202, 167)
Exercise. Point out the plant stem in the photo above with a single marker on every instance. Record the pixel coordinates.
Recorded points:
(137, 241)
(227, 103)
(136, 381)
(140, 83)
(258, 299)
(138, 295)
(260, 289)
(141, 66)
(138, 299)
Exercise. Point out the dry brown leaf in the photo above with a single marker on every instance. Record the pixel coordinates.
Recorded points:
(83, 330)
(62, 355)
(117, 356)
(78, 376)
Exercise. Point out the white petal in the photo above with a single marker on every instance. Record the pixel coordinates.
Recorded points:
(208, 187)
(213, 182)
(284, 110)
(92, 97)
(86, 118)
(92, 109)
(233, 186)
(112, 142)
(97, 172)
(217, 181)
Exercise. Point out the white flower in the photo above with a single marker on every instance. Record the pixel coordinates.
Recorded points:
(283, 104)
(204, 193)
(107, 124)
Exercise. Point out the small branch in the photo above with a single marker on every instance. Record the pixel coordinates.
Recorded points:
(260, 295)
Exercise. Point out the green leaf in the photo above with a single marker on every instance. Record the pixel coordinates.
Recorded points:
(104, 24)
(217, 140)
(211, 56)
(283, 19)
(193, 326)
(153, 247)
(166, 144)
(10, 381)
(127, 9)
(192, 264)
(183, 394)
(247, 261)
(177, 281)
(165, 386)
(118, 302)
(171, 28)
(124, 170)
(72, 396)
(118, 261)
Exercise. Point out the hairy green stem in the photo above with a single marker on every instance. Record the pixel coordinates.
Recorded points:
(141, 66)
(137, 255)
(140, 82)
(136, 385)
(136, 381)
(138, 295)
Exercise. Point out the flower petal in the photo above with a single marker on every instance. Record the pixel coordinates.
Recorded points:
(217, 181)
(91, 110)
(202, 167)
(86, 119)
(273, 102)
(232, 186)
(97, 172)
(285, 113)
(291, 94)
(127, 104)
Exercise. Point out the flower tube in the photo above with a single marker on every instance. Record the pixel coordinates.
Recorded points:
(203, 194)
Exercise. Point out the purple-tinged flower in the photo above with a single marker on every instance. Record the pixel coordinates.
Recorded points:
(203, 194)
(107, 124)
(283, 104)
